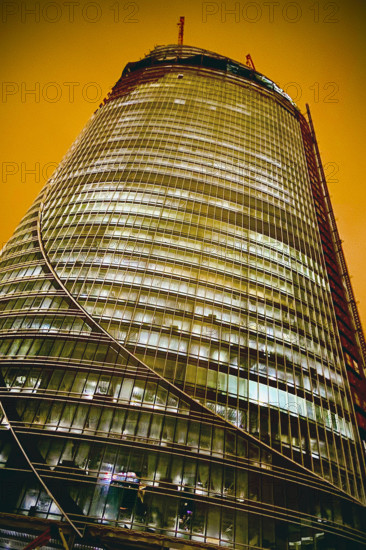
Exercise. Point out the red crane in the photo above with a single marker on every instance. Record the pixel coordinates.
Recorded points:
(249, 62)
(181, 29)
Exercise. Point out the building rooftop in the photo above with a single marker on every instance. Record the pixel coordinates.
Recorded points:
(197, 57)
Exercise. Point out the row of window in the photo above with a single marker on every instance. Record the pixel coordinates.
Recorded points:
(168, 494)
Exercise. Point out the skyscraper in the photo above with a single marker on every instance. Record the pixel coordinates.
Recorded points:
(182, 362)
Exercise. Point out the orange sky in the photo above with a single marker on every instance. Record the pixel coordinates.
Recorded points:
(71, 53)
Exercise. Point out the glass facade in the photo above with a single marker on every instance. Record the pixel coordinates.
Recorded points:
(171, 361)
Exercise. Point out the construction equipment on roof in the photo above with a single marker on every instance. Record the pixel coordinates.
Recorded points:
(181, 30)
(249, 62)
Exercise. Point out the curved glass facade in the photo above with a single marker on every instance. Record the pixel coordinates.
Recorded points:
(171, 357)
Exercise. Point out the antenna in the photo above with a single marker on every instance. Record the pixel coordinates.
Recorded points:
(249, 62)
(181, 29)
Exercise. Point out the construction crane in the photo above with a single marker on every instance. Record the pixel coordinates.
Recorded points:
(249, 62)
(181, 29)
